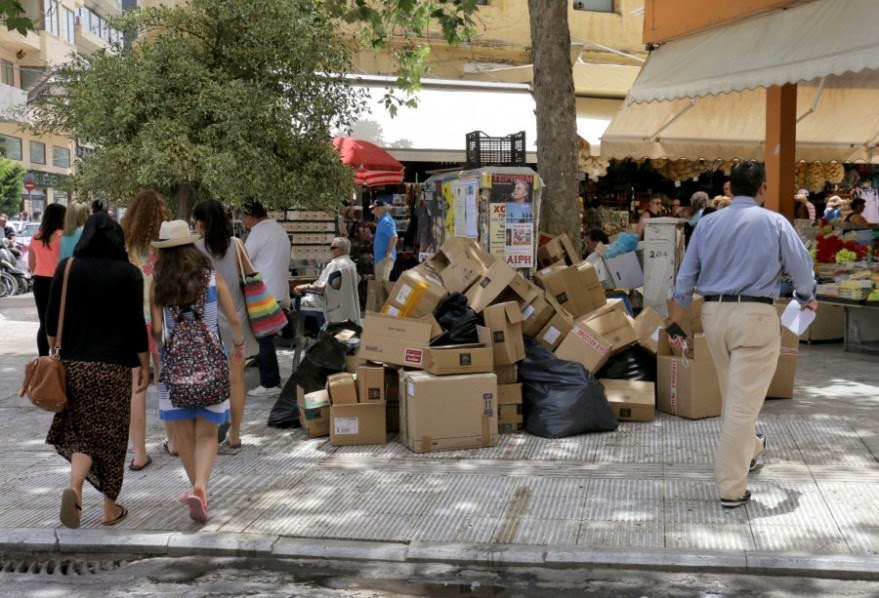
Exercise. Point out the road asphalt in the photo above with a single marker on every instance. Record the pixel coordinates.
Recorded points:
(641, 497)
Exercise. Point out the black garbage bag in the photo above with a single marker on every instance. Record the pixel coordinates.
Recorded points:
(561, 398)
(458, 321)
(325, 357)
(635, 363)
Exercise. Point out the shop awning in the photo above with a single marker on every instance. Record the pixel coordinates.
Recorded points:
(802, 43)
(372, 165)
(837, 119)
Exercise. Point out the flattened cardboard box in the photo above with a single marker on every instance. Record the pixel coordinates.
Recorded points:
(557, 249)
(631, 400)
(398, 341)
(371, 384)
(687, 386)
(314, 412)
(342, 388)
(360, 423)
(460, 262)
(782, 385)
(647, 326)
(504, 320)
(416, 293)
(510, 418)
(447, 412)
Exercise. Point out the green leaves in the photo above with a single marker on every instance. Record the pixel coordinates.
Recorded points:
(225, 99)
(11, 179)
(12, 15)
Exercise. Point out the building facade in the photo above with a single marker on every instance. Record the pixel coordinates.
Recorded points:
(62, 28)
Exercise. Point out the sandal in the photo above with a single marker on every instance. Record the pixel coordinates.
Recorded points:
(71, 511)
(168, 450)
(123, 513)
(134, 467)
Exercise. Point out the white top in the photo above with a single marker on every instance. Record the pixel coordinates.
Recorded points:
(341, 305)
(269, 248)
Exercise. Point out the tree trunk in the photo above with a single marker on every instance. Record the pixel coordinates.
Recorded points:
(185, 201)
(556, 117)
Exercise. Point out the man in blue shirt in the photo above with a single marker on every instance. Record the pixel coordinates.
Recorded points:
(735, 259)
(384, 245)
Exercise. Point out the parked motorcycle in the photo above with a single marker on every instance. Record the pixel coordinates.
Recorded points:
(14, 276)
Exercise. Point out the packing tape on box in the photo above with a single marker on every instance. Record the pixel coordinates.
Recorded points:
(674, 386)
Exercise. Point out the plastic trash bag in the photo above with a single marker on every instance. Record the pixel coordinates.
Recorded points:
(635, 363)
(624, 243)
(561, 398)
(457, 320)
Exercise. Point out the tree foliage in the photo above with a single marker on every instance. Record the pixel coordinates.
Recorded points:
(223, 99)
(12, 15)
(11, 180)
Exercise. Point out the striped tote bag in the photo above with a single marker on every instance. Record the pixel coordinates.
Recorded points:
(265, 315)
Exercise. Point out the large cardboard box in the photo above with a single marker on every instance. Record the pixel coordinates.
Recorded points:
(687, 386)
(647, 326)
(575, 288)
(782, 385)
(510, 418)
(555, 331)
(504, 320)
(509, 394)
(584, 345)
(692, 323)
(631, 400)
(460, 262)
(494, 282)
(625, 271)
(314, 412)
(506, 374)
(398, 341)
(360, 423)
(440, 413)
(417, 293)
(342, 388)
(371, 384)
(557, 249)
(536, 314)
(615, 325)
(597, 260)
(462, 359)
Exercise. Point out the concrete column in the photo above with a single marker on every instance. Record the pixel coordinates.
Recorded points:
(781, 140)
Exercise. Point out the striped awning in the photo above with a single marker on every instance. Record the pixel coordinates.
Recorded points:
(372, 165)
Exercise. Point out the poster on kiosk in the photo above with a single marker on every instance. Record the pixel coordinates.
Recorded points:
(496, 205)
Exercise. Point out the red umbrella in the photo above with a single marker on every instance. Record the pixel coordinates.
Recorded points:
(373, 165)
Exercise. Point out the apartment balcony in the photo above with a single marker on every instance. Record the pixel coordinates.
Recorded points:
(13, 104)
(105, 8)
(87, 42)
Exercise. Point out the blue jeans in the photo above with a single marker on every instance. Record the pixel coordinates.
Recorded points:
(267, 363)
(308, 313)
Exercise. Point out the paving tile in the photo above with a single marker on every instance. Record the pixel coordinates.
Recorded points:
(786, 538)
(359, 525)
(788, 504)
(709, 536)
(862, 539)
(622, 534)
(547, 532)
(602, 509)
(702, 512)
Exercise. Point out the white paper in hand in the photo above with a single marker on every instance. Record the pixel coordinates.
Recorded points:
(795, 319)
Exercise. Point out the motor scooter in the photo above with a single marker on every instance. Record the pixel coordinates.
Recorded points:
(14, 276)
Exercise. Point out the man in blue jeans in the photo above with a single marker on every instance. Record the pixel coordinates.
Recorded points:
(384, 246)
(269, 249)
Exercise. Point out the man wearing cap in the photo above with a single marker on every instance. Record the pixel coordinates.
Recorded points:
(384, 246)
(735, 258)
(269, 248)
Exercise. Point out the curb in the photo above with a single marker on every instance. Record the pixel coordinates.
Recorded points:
(218, 544)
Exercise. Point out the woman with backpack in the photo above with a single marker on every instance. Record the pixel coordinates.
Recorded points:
(194, 378)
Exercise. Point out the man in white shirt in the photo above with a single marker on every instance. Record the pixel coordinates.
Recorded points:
(269, 248)
(311, 299)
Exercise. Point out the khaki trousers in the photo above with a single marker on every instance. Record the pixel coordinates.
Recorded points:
(383, 269)
(744, 340)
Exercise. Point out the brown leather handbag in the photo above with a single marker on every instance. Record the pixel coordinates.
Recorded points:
(45, 380)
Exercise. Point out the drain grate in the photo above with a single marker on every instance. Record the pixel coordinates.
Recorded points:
(64, 567)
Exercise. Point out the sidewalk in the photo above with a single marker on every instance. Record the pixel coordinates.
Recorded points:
(641, 497)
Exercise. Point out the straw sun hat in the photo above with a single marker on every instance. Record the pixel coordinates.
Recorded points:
(173, 234)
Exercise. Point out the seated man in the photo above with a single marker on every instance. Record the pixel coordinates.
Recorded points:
(333, 296)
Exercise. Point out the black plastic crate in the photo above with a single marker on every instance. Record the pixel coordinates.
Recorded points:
(483, 150)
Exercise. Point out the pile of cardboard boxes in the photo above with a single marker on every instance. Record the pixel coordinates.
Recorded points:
(464, 396)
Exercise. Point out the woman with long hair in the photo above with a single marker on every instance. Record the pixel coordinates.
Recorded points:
(141, 224)
(215, 227)
(184, 281)
(42, 257)
(104, 343)
(74, 219)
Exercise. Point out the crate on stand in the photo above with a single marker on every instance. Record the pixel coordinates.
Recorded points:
(483, 150)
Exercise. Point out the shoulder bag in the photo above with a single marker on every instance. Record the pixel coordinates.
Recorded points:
(265, 315)
(45, 380)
